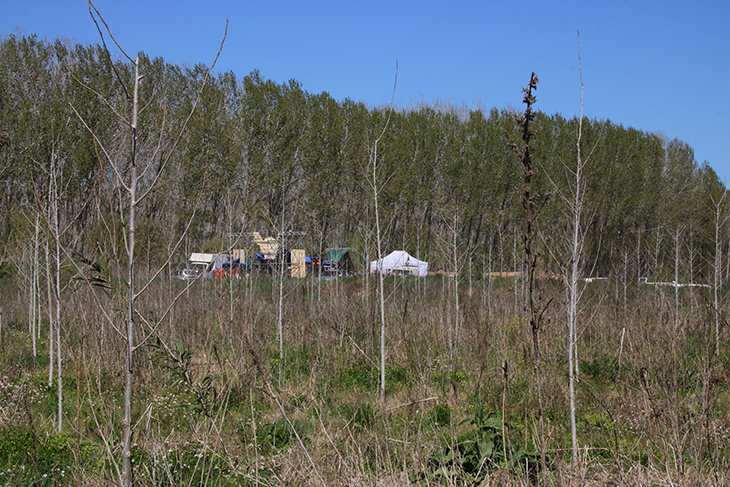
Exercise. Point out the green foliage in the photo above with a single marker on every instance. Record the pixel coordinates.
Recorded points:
(360, 376)
(280, 434)
(182, 466)
(476, 452)
(360, 416)
(254, 146)
(26, 459)
(177, 364)
(448, 379)
(364, 377)
(441, 414)
(602, 369)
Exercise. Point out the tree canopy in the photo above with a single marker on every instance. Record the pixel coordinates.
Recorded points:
(257, 155)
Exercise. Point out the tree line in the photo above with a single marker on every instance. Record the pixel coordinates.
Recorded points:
(257, 155)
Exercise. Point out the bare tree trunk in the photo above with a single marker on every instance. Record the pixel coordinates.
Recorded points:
(50, 316)
(280, 310)
(54, 290)
(129, 369)
(456, 284)
(380, 267)
(127, 182)
(719, 221)
(34, 315)
(517, 275)
(638, 255)
(575, 257)
(489, 283)
(676, 280)
(56, 231)
(378, 236)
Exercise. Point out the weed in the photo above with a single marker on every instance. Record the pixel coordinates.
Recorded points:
(480, 450)
(178, 364)
(602, 369)
(360, 416)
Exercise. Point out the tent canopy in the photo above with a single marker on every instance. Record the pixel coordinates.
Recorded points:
(339, 259)
(335, 255)
(400, 262)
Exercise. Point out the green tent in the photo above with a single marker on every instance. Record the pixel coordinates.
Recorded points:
(340, 259)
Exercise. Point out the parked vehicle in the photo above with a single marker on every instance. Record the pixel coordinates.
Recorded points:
(188, 274)
(333, 273)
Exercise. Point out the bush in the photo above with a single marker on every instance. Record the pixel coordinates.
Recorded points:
(480, 450)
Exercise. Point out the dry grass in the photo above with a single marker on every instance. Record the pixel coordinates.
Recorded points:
(653, 407)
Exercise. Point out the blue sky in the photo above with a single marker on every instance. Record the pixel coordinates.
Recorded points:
(658, 66)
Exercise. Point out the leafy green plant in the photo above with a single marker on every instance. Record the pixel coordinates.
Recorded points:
(363, 376)
(480, 450)
(359, 375)
(177, 364)
(448, 378)
(441, 414)
(602, 369)
(280, 433)
(362, 415)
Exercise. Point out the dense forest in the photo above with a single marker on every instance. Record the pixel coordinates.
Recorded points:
(256, 155)
(275, 381)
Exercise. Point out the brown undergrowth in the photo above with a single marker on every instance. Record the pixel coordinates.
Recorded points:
(653, 402)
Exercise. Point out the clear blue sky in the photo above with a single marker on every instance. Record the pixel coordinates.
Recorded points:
(658, 66)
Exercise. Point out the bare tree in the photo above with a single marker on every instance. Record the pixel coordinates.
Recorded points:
(128, 181)
(378, 236)
(56, 231)
(717, 281)
(576, 251)
(572, 261)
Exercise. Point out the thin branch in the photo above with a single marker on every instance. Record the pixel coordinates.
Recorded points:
(118, 175)
(187, 119)
(100, 97)
(91, 6)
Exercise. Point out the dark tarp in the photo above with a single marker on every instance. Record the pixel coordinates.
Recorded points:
(340, 259)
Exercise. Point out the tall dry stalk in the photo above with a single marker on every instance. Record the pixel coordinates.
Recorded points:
(532, 203)
(717, 278)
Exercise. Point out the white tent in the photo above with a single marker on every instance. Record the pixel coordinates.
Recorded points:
(400, 262)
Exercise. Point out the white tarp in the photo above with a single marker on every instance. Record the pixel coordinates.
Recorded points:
(400, 262)
(217, 260)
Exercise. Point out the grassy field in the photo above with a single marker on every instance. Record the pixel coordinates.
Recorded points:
(215, 405)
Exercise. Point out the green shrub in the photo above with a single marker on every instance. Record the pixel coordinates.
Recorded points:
(602, 369)
(360, 376)
(441, 414)
(477, 451)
